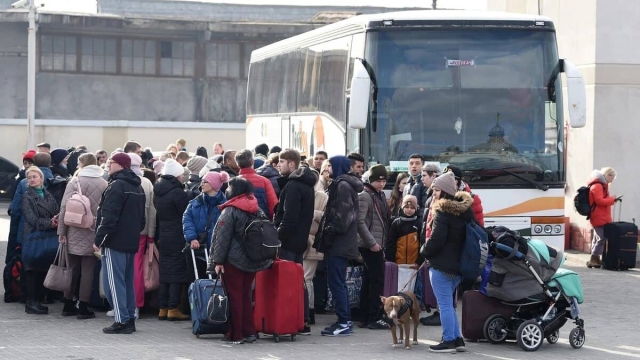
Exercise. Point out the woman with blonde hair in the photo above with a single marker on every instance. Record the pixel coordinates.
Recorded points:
(601, 202)
(325, 177)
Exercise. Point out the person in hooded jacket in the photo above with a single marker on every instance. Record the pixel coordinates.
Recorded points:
(58, 184)
(203, 213)
(600, 216)
(295, 213)
(80, 240)
(452, 210)
(270, 171)
(228, 258)
(403, 243)
(171, 202)
(339, 239)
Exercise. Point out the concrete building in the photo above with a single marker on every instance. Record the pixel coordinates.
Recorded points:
(599, 37)
(147, 70)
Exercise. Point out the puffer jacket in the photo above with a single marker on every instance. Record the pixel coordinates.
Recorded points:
(171, 201)
(478, 211)
(150, 209)
(373, 218)
(603, 201)
(89, 179)
(195, 218)
(272, 174)
(37, 213)
(295, 210)
(263, 191)
(403, 243)
(228, 235)
(319, 204)
(449, 231)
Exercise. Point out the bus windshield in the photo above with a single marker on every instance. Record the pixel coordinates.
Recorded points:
(482, 99)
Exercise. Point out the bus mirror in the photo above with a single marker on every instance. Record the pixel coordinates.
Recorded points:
(577, 95)
(360, 96)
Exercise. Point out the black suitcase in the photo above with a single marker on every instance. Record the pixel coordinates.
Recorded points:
(621, 244)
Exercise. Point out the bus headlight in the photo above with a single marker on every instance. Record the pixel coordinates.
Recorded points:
(547, 229)
(557, 229)
(537, 229)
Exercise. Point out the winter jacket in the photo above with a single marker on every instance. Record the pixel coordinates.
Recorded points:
(149, 208)
(449, 230)
(420, 192)
(171, 202)
(72, 162)
(478, 212)
(21, 175)
(37, 213)
(121, 214)
(413, 181)
(599, 196)
(319, 204)
(262, 190)
(228, 234)
(272, 174)
(15, 208)
(195, 218)
(193, 186)
(373, 218)
(403, 243)
(79, 240)
(342, 216)
(295, 211)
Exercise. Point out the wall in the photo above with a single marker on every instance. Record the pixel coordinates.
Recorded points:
(13, 70)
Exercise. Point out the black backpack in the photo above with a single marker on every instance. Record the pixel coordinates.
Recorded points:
(581, 202)
(260, 238)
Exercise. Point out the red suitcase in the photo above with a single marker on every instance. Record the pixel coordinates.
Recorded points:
(279, 300)
(476, 309)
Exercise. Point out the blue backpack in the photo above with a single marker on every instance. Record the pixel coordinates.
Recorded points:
(475, 250)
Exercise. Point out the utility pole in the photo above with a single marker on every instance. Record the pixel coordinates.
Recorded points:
(434, 4)
(31, 76)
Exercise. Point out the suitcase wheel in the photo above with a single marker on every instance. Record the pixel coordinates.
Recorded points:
(276, 338)
(293, 338)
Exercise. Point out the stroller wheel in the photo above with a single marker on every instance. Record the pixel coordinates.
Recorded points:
(553, 337)
(530, 335)
(495, 329)
(577, 338)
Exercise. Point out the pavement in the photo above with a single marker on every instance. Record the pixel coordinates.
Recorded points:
(609, 312)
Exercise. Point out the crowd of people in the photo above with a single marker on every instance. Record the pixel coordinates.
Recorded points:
(181, 201)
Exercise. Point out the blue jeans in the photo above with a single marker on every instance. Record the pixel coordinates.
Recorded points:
(443, 289)
(336, 277)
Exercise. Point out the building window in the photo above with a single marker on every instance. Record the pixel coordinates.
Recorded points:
(138, 57)
(98, 55)
(247, 48)
(58, 53)
(223, 60)
(177, 58)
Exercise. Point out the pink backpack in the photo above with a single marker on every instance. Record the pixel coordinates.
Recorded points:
(78, 213)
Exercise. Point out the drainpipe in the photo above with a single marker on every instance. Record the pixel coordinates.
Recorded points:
(31, 76)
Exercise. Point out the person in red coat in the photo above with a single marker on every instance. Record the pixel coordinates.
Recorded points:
(601, 202)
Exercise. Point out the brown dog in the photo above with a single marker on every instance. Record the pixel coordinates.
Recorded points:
(401, 309)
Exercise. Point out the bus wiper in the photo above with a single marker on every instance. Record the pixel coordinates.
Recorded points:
(535, 184)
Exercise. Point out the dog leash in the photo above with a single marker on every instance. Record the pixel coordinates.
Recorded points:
(413, 276)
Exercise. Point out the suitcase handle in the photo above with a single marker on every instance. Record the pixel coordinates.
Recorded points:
(193, 258)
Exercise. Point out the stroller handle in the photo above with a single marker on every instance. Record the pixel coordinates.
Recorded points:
(509, 249)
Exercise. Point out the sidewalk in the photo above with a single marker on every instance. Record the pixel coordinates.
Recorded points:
(578, 258)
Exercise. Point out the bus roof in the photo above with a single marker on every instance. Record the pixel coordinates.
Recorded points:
(362, 22)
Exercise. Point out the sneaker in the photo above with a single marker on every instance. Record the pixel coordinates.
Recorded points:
(118, 328)
(378, 325)
(110, 313)
(337, 330)
(306, 331)
(433, 320)
(250, 339)
(459, 343)
(444, 347)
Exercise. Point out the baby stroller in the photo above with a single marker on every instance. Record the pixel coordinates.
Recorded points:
(526, 274)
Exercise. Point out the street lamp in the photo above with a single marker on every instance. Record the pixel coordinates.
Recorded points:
(31, 69)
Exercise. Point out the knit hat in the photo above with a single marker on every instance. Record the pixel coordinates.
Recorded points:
(29, 155)
(122, 159)
(173, 168)
(446, 182)
(377, 172)
(136, 161)
(455, 170)
(158, 165)
(216, 179)
(57, 155)
(410, 200)
(196, 163)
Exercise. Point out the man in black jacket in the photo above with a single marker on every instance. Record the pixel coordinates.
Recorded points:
(295, 213)
(120, 219)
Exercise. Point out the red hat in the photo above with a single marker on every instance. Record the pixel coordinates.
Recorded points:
(29, 155)
(122, 159)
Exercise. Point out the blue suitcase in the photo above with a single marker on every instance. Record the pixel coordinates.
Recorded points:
(200, 291)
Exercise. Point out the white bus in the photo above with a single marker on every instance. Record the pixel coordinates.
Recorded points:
(480, 90)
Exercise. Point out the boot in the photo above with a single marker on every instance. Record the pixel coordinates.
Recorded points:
(176, 315)
(69, 308)
(84, 312)
(31, 307)
(162, 315)
(594, 262)
(312, 316)
(41, 307)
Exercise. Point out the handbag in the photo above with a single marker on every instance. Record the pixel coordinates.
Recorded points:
(152, 269)
(39, 248)
(218, 306)
(59, 276)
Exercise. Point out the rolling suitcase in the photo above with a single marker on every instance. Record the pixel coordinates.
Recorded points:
(398, 278)
(200, 291)
(476, 309)
(279, 300)
(428, 297)
(620, 244)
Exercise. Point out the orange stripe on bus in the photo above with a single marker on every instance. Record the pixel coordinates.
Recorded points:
(547, 219)
(539, 204)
